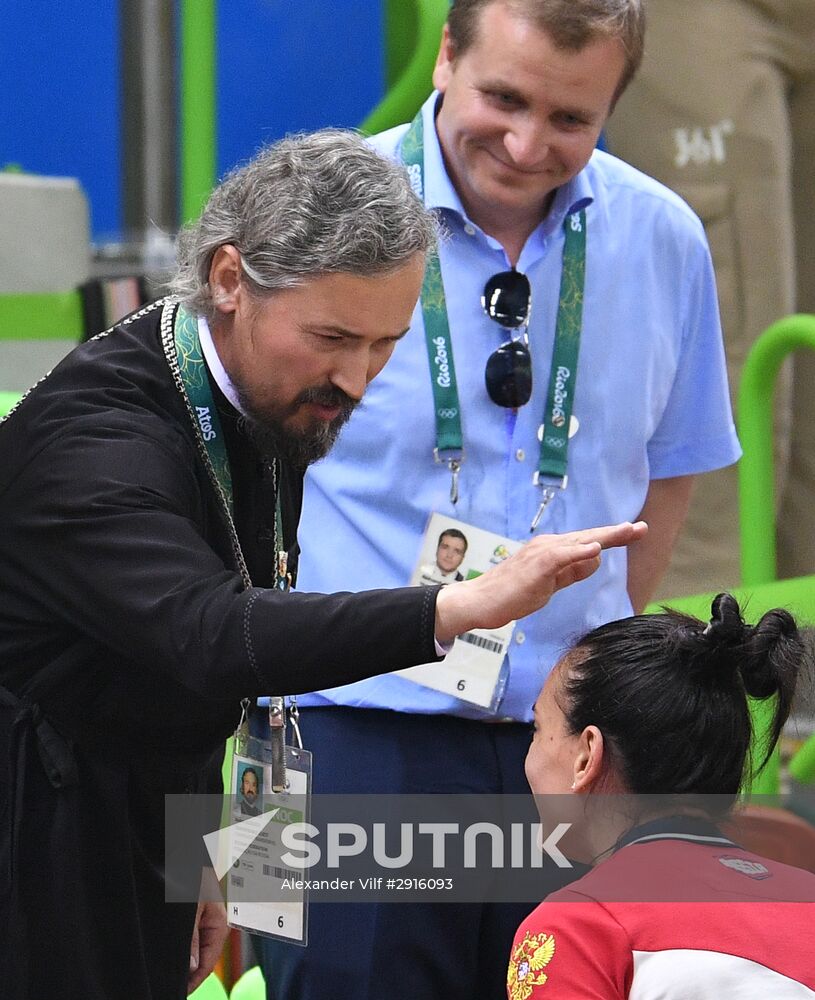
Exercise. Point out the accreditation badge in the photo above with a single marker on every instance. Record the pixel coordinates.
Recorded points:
(453, 551)
(264, 894)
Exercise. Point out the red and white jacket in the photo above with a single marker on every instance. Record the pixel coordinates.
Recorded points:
(678, 912)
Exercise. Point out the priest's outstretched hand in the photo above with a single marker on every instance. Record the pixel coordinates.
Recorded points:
(524, 582)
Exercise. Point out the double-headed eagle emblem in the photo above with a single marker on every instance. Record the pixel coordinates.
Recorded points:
(529, 958)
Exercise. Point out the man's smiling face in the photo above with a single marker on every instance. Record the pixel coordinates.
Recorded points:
(519, 116)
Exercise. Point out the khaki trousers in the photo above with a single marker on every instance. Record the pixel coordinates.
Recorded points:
(723, 112)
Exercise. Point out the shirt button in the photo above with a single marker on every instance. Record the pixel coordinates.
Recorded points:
(469, 229)
(520, 638)
(520, 455)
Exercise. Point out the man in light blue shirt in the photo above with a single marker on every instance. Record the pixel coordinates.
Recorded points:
(509, 163)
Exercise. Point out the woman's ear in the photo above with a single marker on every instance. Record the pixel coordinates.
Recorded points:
(588, 763)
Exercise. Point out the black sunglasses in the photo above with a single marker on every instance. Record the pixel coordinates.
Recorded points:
(507, 299)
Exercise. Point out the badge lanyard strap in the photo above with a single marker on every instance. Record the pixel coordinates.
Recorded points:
(557, 417)
(194, 383)
(552, 463)
(449, 440)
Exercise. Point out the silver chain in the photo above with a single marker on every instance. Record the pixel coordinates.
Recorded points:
(168, 343)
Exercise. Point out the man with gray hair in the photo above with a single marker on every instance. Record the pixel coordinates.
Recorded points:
(149, 495)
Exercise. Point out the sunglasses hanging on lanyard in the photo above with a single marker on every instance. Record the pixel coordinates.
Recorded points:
(507, 299)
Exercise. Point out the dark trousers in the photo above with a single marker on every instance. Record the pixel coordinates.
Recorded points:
(415, 951)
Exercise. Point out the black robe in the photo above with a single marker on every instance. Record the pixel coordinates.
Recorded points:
(127, 641)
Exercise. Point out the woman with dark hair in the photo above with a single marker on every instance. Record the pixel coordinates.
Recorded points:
(641, 736)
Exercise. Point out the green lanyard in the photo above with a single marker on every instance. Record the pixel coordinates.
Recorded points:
(449, 439)
(553, 460)
(182, 347)
(193, 373)
(557, 416)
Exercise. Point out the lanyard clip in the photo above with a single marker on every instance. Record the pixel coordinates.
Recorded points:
(454, 465)
(277, 737)
(242, 732)
(548, 493)
(283, 577)
(294, 718)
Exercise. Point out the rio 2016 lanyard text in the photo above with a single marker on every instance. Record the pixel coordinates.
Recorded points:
(552, 463)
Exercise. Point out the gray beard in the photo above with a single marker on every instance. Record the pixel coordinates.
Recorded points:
(272, 440)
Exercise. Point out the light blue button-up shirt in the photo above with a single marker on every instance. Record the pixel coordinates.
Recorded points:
(651, 402)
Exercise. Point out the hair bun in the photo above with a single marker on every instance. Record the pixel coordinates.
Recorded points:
(726, 626)
(772, 642)
(760, 653)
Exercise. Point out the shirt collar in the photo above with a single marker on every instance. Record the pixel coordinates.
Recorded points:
(216, 369)
(575, 196)
(439, 192)
(694, 829)
(438, 188)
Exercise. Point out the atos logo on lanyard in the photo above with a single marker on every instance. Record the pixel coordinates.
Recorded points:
(205, 423)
